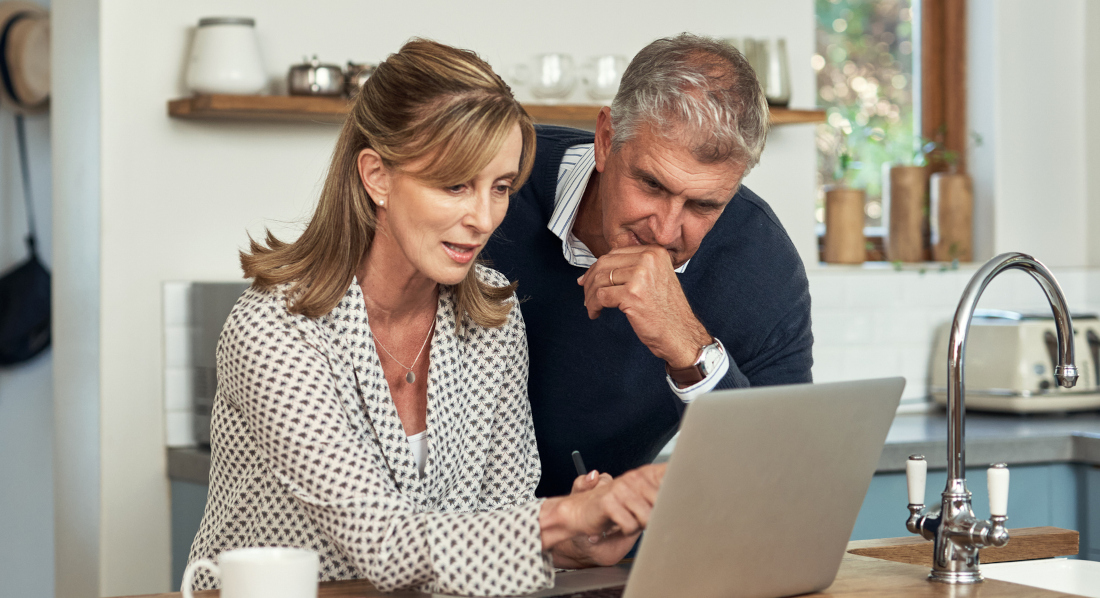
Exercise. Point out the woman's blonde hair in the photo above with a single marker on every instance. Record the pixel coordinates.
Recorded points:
(428, 99)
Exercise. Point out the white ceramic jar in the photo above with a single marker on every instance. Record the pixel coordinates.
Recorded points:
(225, 57)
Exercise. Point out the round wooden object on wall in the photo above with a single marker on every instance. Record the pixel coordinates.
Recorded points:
(904, 192)
(25, 53)
(844, 241)
(952, 217)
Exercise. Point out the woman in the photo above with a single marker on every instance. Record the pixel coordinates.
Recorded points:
(372, 400)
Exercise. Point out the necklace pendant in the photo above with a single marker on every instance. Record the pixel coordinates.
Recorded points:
(410, 377)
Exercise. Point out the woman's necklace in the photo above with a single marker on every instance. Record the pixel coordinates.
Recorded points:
(410, 377)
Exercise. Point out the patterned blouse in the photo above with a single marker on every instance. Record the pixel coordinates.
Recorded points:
(308, 451)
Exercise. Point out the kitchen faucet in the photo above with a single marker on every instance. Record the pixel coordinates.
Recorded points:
(957, 533)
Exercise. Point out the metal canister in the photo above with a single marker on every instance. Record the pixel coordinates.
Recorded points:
(311, 78)
(355, 76)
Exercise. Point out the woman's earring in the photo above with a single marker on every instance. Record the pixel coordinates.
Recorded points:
(381, 203)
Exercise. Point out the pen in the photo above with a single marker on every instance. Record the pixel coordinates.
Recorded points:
(579, 463)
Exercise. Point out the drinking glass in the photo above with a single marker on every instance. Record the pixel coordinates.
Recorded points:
(553, 78)
(777, 81)
(602, 76)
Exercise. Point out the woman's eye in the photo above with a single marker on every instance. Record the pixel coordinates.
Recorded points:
(504, 189)
(457, 188)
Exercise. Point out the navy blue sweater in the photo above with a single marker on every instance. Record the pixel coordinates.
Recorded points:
(594, 387)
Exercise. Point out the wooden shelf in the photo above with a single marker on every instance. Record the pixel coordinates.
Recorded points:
(791, 116)
(333, 110)
(242, 107)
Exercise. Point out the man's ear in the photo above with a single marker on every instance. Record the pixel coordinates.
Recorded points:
(374, 175)
(603, 137)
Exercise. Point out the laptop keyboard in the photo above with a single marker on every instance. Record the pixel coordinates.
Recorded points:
(612, 592)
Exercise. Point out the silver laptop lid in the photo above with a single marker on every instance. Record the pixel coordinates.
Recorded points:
(763, 489)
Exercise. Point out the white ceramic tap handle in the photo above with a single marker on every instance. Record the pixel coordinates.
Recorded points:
(916, 472)
(997, 477)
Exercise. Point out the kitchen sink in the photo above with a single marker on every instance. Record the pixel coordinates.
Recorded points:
(1059, 575)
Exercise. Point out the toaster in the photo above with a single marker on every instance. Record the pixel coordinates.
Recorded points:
(1010, 359)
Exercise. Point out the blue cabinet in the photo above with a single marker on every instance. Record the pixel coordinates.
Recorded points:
(188, 504)
(1090, 512)
(1061, 494)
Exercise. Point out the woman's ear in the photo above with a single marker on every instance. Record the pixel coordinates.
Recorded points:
(374, 175)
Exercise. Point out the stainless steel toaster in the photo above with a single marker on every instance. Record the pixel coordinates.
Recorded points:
(1009, 363)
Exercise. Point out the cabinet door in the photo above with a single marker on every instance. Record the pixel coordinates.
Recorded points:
(1090, 512)
(188, 504)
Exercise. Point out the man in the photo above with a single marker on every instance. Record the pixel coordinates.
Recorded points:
(650, 274)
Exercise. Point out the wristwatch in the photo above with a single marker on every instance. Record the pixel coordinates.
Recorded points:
(708, 360)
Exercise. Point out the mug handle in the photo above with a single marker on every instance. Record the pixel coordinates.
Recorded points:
(189, 574)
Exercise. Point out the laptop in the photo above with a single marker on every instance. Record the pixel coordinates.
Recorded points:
(760, 496)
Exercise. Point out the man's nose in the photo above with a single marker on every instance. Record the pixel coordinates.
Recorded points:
(667, 224)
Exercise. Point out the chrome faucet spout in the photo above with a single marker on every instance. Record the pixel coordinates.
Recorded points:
(1065, 373)
(957, 533)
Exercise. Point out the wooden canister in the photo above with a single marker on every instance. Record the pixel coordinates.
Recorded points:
(952, 217)
(844, 242)
(903, 193)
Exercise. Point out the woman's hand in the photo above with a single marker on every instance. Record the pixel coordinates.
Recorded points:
(600, 520)
(605, 549)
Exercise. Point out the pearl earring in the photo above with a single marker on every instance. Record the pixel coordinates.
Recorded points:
(381, 203)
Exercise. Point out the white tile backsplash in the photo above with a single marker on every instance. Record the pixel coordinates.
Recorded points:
(874, 322)
(179, 429)
(194, 313)
(177, 302)
(178, 388)
(178, 341)
(828, 290)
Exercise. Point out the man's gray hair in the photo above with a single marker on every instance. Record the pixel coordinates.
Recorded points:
(697, 90)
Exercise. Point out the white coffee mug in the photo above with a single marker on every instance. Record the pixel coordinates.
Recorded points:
(261, 573)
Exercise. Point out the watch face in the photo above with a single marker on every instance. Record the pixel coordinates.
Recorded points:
(712, 356)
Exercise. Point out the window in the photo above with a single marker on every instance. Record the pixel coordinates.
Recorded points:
(865, 81)
(886, 71)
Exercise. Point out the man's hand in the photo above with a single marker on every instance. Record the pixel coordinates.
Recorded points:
(641, 282)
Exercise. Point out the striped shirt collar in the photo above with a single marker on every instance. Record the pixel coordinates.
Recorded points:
(577, 166)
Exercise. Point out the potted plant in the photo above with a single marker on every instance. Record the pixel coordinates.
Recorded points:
(844, 240)
(951, 209)
(904, 207)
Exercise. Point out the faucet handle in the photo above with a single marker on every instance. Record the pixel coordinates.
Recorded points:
(997, 478)
(916, 472)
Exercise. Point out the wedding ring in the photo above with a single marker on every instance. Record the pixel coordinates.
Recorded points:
(611, 277)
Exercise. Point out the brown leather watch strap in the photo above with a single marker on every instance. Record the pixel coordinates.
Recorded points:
(685, 377)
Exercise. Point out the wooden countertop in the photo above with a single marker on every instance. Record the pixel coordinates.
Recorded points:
(889, 572)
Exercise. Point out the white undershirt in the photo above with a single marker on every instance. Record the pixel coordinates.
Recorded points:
(419, 445)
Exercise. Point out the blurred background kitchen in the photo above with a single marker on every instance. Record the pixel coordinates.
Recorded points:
(134, 206)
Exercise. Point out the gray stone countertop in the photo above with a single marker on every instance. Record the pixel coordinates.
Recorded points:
(990, 438)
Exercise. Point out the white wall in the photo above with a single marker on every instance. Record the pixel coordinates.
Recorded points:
(1092, 129)
(26, 391)
(172, 200)
(1028, 100)
(76, 296)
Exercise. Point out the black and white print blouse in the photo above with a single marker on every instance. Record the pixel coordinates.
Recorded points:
(308, 451)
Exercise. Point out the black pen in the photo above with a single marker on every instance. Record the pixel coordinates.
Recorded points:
(579, 463)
